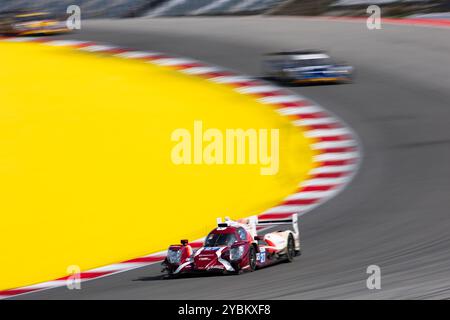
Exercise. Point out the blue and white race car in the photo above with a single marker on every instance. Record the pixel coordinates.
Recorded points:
(305, 67)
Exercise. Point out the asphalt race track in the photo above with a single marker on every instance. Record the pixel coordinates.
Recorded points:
(395, 214)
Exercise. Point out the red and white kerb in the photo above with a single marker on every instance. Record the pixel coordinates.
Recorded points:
(336, 162)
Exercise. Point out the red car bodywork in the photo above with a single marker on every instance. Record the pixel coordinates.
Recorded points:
(229, 249)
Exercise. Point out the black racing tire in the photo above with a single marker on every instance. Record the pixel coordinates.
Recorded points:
(252, 258)
(290, 252)
(170, 275)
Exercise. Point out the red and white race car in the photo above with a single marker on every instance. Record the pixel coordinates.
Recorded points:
(234, 246)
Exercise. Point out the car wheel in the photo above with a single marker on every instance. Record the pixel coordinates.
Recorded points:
(290, 252)
(252, 258)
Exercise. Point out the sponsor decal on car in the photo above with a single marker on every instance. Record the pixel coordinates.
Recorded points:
(261, 256)
(211, 248)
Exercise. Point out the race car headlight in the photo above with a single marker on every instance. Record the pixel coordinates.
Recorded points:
(236, 253)
(174, 256)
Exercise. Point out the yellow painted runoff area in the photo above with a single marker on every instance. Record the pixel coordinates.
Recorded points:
(86, 168)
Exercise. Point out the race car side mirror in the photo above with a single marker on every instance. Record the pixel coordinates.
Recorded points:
(184, 242)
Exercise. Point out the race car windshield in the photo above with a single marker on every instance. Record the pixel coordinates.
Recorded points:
(309, 62)
(220, 239)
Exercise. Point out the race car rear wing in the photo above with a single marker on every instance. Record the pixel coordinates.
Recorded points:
(292, 220)
(253, 221)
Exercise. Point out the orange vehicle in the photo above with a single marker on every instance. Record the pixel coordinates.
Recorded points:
(31, 23)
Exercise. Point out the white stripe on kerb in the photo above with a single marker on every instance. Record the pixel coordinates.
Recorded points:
(97, 48)
(323, 182)
(299, 110)
(257, 89)
(333, 144)
(319, 133)
(17, 39)
(200, 70)
(286, 209)
(333, 169)
(61, 43)
(308, 195)
(137, 54)
(120, 266)
(312, 122)
(173, 61)
(231, 79)
(280, 99)
(336, 156)
(48, 284)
